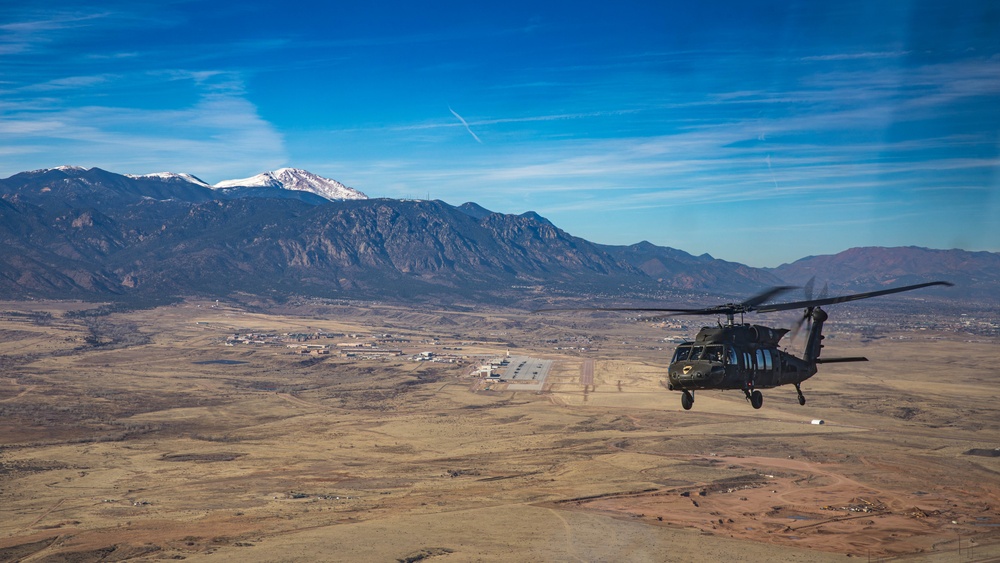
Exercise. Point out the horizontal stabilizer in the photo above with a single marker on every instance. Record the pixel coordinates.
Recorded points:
(840, 360)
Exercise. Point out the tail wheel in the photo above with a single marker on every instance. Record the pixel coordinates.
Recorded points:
(756, 399)
(687, 400)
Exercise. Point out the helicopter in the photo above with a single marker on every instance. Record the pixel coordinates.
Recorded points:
(746, 356)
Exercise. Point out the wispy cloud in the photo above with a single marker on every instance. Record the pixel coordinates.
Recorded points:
(825, 136)
(30, 32)
(68, 83)
(220, 136)
(857, 56)
(512, 120)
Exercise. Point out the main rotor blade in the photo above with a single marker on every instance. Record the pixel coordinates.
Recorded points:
(764, 296)
(639, 309)
(750, 305)
(728, 308)
(840, 360)
(844, 298)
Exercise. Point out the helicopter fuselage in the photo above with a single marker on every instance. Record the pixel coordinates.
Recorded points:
(745, 357)
(734, 365)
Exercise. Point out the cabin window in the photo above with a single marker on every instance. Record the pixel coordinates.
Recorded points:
(747, 360)
(682, 353)
(764, 359)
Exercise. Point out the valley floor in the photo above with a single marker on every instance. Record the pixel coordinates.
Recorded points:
(210, 432)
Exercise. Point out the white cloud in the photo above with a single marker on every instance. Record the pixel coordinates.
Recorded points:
(67, 83)
(33, 32)
(220, 136)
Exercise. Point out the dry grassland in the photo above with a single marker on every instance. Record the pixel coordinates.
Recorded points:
(161, 442)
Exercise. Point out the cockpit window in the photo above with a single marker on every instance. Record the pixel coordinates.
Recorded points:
(696, 352)
(682, 353)
(713, 353)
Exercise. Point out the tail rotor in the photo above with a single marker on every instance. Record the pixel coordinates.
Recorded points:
(807, 315)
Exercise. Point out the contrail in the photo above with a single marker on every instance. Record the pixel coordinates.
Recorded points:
(460, 118)
(768, 159)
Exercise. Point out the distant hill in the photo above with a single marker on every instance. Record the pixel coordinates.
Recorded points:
(856, 269)
(679, 270)
(91, 234)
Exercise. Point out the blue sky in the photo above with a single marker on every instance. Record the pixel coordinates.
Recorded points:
(758, 132)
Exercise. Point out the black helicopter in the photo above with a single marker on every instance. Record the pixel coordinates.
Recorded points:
(746, 356)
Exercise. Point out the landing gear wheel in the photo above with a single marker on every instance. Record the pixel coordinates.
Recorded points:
(687, 400)
(802, 398)
(756, 399)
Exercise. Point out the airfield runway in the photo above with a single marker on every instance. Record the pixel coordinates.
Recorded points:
(587, 373)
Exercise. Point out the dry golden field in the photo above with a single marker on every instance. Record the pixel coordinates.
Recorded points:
(144, 436)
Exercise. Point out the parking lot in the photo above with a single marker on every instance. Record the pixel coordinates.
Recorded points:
(527, 374)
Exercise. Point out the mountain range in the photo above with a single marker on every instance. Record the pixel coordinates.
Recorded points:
(70, 232)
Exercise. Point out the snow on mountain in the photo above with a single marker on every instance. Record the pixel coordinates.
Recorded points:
(172, 177)
(296, 179)
(63, 168)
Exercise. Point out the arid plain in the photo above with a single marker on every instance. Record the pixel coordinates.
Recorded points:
(210, 431)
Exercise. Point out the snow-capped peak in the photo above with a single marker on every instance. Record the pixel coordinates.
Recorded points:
(63, 168)
(296, 179)
(172, 177)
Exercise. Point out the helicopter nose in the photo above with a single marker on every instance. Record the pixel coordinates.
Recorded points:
(696, 374)
(691, 371)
